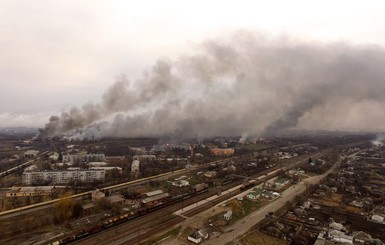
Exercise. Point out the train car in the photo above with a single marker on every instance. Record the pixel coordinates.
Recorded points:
(228, 180)
(200, 187)
(81, 234)
(247, 184)
(95, 229)
(107, 224)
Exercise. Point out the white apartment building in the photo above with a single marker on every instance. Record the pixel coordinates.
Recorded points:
(62, 177)
(135, 166)
(71, 158)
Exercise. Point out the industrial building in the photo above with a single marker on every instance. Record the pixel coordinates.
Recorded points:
(31, 153)
(222, 152)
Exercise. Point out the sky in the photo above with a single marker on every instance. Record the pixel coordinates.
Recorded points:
(56, 55)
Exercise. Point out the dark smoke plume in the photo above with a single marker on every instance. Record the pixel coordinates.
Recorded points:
(243, 84)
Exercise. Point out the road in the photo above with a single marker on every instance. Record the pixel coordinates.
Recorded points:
(244, 225)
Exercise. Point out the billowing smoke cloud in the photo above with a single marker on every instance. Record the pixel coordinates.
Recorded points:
(379, 140)
(243, 84)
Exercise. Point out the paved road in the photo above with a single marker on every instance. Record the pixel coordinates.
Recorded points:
(244, 225)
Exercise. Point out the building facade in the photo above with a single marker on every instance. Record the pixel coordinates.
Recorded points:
(222, 152)
(72, 158)
(62, 177)
(31, 153)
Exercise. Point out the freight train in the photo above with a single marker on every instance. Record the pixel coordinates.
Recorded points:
(198, 189)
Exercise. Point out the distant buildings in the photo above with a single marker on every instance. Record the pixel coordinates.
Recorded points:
(62, 177)
(97, 195)
(107, 169)
(377, 219)
(279, 183)
(135, 166)
(31, 191)
(222, 152)
(72, 158)
(31, 153)
(97, 164)
(144, 157)
(198, 236)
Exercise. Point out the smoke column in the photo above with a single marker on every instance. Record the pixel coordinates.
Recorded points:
(241, 84)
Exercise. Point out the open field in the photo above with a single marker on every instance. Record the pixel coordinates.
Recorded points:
(258, 238)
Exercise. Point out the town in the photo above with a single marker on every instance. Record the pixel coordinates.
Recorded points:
(308, 189)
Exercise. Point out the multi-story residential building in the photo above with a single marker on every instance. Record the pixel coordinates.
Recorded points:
(62, 177)
(144, 157)
(71, 158)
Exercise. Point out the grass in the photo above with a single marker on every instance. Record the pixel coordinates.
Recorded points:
(245, 208)
(251, 206)
(194, 181)
(258, 238)
(173, 233)
(187, 231)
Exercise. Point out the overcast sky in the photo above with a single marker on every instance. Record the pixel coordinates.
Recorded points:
(59, 54)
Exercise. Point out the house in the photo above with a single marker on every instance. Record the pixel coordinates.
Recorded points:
(15, 158)
(342, 238)
(228, 215)
(54, 156)
(199, 155)
(31, 153)
(155, 199)
(254, 194)
(377, 218)
(180, 183)
(88, 208)
(197, 236)
(153, 193)
(299, 212)
(97, 195)
(116, 199)
(279, 183)
(357, 204)
(361, 237)
(210, 174)
(337, 226)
